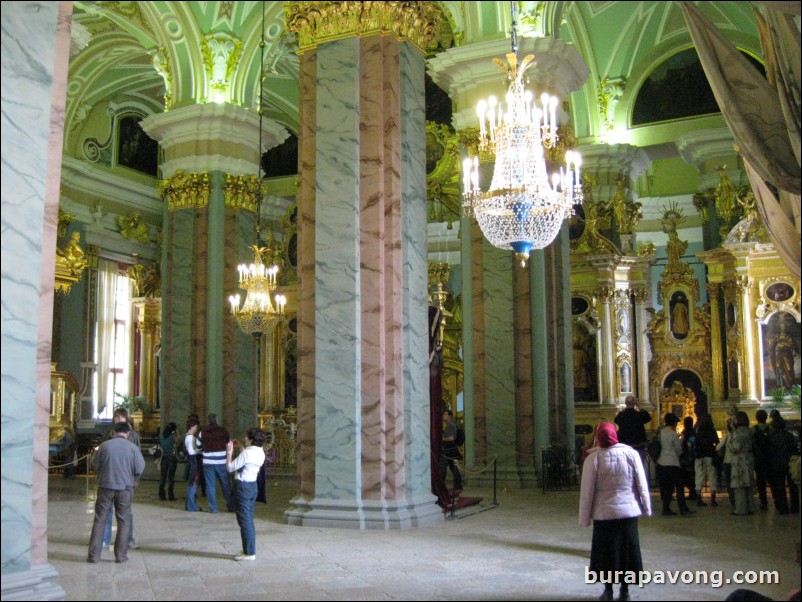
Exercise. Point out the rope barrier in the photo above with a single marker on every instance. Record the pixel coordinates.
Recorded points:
(70, 463)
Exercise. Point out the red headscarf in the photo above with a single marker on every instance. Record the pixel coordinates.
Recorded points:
(607, 435)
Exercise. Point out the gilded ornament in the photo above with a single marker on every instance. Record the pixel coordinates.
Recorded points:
(243, 192)
(184, 190)
(316, 22)
(133, 228)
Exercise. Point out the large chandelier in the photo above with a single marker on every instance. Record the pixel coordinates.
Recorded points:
(257, 315)
(524, 207)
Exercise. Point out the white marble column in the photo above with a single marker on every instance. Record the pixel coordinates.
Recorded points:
(35, 47)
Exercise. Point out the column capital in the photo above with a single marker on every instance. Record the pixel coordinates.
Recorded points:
(317, 22)
(468, 73)
(212, 137)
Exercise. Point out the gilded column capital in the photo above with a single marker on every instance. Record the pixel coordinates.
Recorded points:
(243, 192)
(605, 293)
(713, 289)
(184, 191)
(316, 22)
(640, 295)
(743, 284)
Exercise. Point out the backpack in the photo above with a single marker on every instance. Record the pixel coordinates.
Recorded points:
(654, 447)
(460, 440)
(181, 453)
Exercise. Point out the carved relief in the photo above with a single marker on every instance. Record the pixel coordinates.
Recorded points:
(317, 22)
(243, 192)
(184, 191)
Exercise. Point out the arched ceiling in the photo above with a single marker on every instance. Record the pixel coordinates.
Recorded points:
(133, 53)
(130, 42)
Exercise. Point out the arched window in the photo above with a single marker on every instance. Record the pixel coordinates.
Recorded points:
(677, 89)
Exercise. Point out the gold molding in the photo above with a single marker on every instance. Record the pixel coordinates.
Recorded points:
(243, 192)
(317, 22)
(184, 191)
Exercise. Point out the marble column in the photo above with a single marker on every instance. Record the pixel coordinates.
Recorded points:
(35, 47)
(211, 197)
(363, 406)
(716, 346)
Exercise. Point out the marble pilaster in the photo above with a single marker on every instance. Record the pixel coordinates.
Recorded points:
(477, 360)
(524, 402)
(716, 347)
(36, 38)
(500, 359)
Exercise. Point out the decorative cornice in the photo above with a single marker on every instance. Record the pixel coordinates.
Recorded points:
(317, 22)
(183, 190)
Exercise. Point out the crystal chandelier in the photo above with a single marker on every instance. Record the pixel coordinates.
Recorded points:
(258, 315)
(524, 207)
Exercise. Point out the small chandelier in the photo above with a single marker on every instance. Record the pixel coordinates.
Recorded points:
(257, 315)
(524, 208)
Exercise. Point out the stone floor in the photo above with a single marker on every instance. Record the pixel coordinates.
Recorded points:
(528, 547)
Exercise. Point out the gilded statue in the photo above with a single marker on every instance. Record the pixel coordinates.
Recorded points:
(133, 228)
(72, 255)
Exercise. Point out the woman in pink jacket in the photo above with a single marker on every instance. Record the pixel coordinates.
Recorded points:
(614, 494)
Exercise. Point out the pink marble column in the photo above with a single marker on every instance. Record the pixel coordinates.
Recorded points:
(46, 291)
(307, 199)
(380, 281)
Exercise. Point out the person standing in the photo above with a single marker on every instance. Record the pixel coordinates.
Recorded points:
(168, 443)
(118, 464)
(760, 438)
(686, 459)
(214, 439)
(450, 451)
(742, 476)
(632, 421)
(781, 446)
(706, 441)
(246, 466)
(614, 493)
(668, 467)
(121, 415)
(193, 461)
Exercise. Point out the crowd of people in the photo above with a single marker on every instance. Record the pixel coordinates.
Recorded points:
(614, 486)
(211, 457)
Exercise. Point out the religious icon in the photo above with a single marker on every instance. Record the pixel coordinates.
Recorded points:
(680, 326)
(781, 350)
(623, 322)
(779, 292)
(625, 373)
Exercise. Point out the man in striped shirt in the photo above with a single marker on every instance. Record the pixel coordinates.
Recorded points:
(214, 438)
